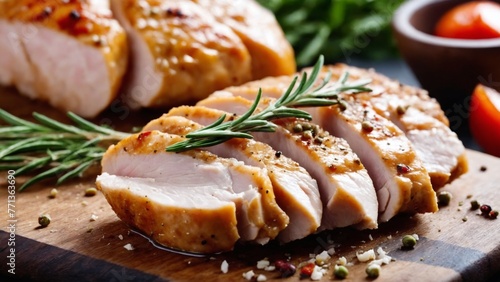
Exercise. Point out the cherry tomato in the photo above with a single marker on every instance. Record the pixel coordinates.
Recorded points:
(484, 119)
(471, 20)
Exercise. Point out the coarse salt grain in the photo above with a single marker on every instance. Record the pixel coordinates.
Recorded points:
(128, 247)
(224, 267)
(120, 237)
(261, 278)
(261, 264)
(248, 275)
(322, 258)
(370, 237)
(383, 258)
(317, 273)
(93, 217)
(366, 256)
(270, 268)
(415, 236)
(342, 261)
(331, 251)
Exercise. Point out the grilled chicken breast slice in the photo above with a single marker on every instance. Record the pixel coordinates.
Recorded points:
(296, 192)
(187, 182)
(195, 222)
(346, 190)
(35, 34)
(257, 27)
(179, 52)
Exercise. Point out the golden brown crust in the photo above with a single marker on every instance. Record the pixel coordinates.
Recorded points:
(174, 227)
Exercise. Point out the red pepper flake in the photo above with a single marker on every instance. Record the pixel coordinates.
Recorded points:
(402, 168)
(307, 270)
(143, 135)
(286, 269)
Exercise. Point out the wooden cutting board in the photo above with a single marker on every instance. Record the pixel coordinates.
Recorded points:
(455, 243)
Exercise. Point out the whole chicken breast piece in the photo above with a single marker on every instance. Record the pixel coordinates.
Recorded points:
(72, 54)
(143, 156)
(346, 190)
(271, 53)
(296, 192)
(179, 52)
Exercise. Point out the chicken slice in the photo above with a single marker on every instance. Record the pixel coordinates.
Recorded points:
(383, 149)
(197, 172)
(196, 222)
(179, 52)
(346, 190)
(72, 54)
(271, 53)
(296, 192)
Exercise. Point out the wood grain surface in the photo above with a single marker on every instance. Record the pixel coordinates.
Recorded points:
(75, 248)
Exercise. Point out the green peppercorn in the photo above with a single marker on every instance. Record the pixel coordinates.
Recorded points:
(297, 128)
(307, 135)
(306, 126)
(373, 270)
(444, 198)
(474, 205)
(340, 271)
(409, 241)
(318, 140)
(53, 193)
(90, 192)
(44, 220)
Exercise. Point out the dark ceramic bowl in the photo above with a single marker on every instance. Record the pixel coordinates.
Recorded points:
(448, 68)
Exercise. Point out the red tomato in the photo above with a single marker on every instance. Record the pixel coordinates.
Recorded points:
(484, 119)
(471, 20)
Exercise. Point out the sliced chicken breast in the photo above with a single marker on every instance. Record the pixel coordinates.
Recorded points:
(72, 54)
(296, 192)
(271, 53)
(179, 52)
(195, 184)
(383, 149)
(346, 190)
(420, 117)
(412, 110)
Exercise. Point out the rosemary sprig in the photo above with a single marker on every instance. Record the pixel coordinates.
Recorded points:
(325, 94)
(64, 151)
